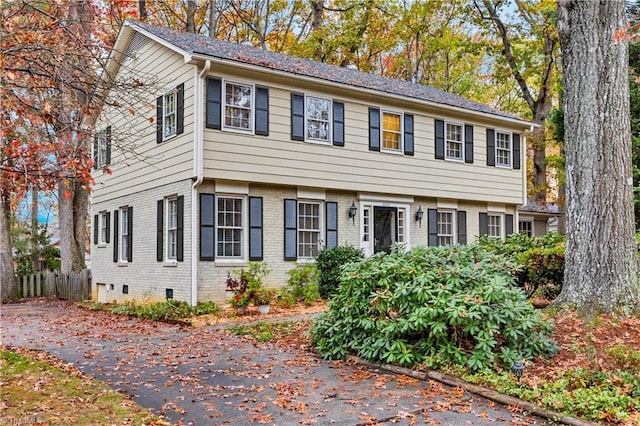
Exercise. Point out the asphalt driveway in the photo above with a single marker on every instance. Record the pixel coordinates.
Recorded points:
(207, 376)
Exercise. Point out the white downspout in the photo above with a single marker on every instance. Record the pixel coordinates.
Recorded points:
(198, 171)
(525, 198)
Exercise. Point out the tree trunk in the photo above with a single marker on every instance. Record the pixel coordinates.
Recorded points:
(142, 10)
(73, 202)
(602, 268)
(35, 231)
(8, 284)
(213, 20)
(191, 16)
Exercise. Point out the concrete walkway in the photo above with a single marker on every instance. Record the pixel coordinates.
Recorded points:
(207, 376)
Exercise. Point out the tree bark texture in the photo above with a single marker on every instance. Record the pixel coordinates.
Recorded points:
(601, 272)
(8, 284)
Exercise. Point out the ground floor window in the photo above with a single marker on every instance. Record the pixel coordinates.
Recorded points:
(525, 227)
(308, 229)
(230, 229)
(494, 225)
(445, 225)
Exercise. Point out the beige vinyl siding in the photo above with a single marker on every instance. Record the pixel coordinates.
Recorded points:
(277, 159)
(137, 161)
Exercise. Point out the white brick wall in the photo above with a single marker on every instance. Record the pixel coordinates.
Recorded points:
(146, 277)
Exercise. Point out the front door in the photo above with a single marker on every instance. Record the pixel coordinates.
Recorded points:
(385, 228)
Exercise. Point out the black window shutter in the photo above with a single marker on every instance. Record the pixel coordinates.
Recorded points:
(338, 123)
(432, 220)
(408, 134)
(180, 229)
(516, 151)
(95, 152)
(115, 235)
(468, 143)
(159, 111)
(96, 226)
(484, 224)
(262, 111)
(374, 129)
(207, 226)
(180, 109)
(108, 225)
(439, 132)
(108, 137)
(255, 229)
(462, 227)
(491, 147)
(160, 231)
(297, 117)
(508, 219)
(290, 230)
(214, 103)
(130, 236)
(331, 208)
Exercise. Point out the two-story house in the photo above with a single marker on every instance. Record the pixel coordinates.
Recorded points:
(245, 155)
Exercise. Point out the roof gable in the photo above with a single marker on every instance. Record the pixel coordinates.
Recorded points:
(193, 44)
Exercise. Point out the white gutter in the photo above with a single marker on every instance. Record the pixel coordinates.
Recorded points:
(198, 170)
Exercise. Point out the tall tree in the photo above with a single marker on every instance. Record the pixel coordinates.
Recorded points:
(526, 51)
(602, 268)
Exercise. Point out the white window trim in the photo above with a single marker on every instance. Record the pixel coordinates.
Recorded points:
(502, 224)
(122, 255)
(251, 129)
(321, 227)
(167, 258)
(368, 202)
(329, 140)
(510, 134)
(102, 221)
(101, 157)
(245, 226)
(446, 140)
(165, 135)
(454, 239)
(400, 149)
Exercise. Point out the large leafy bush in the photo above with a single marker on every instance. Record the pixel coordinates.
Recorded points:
(329, 263)
(434, 306)
(541, 258)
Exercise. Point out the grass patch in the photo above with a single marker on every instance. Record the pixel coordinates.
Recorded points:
(264, 331)
(40, 389)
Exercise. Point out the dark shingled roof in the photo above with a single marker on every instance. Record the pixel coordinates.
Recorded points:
(197, 44)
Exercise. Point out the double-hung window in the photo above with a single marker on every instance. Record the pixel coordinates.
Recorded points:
(525, 227)
(104, 228)
(494, 225)
(391, 131)
(445, 226)
(229, 227)
(101, 149)
(172, 229)
(124, 234)
(318, 119)
(238, 106)
(454, 142)
(169, 114)
(308, 229)
(503, 149)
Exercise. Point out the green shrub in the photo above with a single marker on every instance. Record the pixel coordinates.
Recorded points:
(329, 262)
(205, 308)
(302, 285)
(543, 268)
(169, 309)
(541, 258)
(433, 306)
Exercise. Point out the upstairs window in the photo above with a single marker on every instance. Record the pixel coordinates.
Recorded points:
(238, 106)
(104, 228)
(503, 149)
(391, 131)
(102, 148)
(454, 142)
(169, 114)
(318, 119)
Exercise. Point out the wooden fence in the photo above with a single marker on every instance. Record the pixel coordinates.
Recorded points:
(54, 283)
